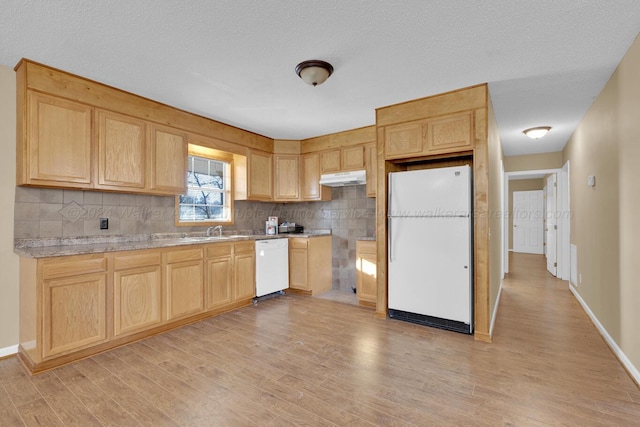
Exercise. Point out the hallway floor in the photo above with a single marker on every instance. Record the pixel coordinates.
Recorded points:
(295, 360)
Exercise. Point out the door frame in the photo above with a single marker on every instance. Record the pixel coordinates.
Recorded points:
(564, 224)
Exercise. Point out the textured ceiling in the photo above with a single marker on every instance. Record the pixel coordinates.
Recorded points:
(234, 60)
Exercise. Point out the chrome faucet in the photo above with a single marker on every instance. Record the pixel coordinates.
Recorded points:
(217, 227)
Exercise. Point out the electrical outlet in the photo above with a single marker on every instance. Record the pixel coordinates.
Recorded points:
(104, 223)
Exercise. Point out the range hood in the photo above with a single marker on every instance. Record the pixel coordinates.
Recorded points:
(342, 179)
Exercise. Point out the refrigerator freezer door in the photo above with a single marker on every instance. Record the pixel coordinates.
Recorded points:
(430, 267)
(430, 192)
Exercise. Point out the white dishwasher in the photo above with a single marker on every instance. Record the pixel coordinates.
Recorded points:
(272, 266)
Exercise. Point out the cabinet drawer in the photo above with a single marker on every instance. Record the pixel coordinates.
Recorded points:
(219, 249)
(184, 255)
(73, 265)
(132, 259)
(244, 248)
(298, 243)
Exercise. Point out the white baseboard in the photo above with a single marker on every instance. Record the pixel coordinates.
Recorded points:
(8, 351)
(633, 371)
(495, 311)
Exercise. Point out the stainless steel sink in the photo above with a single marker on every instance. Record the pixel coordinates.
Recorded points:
(204, 238)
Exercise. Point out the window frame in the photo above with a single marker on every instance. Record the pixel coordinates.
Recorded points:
(217, 155)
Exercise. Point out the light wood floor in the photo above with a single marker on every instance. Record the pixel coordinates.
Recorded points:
(295, 360)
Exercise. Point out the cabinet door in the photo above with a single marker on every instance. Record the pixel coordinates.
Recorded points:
(310, 177)
(371, 166)
(287, 173)
(168, 160)
(74, 315)
(122, 151)
(219, 280)
(366, 265)
(137, 301)
(450, 134)
(352, 158)
(298, 266)
(259, 175)
(330, 161)
(404, 140)
(184, 283)
(59, 142)
(244, 276)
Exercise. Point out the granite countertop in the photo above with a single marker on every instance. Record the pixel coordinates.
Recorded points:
(54, 247)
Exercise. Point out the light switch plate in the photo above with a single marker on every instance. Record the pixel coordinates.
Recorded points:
(104, 223)
(591, 180)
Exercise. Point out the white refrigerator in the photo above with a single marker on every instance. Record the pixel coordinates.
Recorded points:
(430, 247)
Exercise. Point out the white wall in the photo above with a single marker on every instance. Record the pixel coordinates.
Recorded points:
(9, 283)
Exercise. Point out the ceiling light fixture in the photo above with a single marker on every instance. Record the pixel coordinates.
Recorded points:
(314, 72)
(537, 132)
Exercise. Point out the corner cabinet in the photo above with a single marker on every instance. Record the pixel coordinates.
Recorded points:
(286, 169)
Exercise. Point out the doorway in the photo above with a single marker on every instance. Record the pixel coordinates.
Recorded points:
(561, 214)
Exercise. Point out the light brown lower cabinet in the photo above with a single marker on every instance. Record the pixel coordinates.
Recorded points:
(137, 291)
(184, 282)
(310, 264)
(75, 306)
(366, 279)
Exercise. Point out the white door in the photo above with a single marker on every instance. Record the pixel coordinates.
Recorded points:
(527, 221)
(552, 224)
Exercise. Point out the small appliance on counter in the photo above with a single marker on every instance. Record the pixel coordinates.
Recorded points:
(290, 227)
(271, 226)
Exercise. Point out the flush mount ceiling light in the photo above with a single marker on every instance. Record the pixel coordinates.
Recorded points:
(314, 72)
(537, 132)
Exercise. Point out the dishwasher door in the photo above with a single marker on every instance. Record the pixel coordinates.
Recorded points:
(272, 266)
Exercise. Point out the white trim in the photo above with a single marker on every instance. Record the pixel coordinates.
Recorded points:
(633, 371)
(495, 311)
(9, 351)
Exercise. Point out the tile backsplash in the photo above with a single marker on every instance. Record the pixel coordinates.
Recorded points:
(71, 213)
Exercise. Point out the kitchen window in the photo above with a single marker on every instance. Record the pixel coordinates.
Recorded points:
(209, 197)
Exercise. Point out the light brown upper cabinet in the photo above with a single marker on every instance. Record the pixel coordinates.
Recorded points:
(287, 177)
(449, 134)
(371, 166)
(330, 161)
(259, 175)
(403, 140)
(352, 158)
(169, 151)
(441, 135)
(310, 179)
(54, 142)
(342, 159)
(122, 151)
